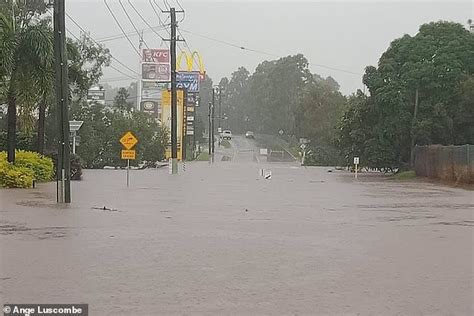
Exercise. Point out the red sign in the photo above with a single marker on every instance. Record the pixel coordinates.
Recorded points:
(156, 55)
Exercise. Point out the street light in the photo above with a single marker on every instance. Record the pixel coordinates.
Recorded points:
(74, 126)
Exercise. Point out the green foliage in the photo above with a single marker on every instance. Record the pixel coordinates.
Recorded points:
(41, 166)
(103, 128)
(13, 176)
(226, 143)
(323, 156)
(204, 156)
(437, 62)
(76, 167)
(405, 175)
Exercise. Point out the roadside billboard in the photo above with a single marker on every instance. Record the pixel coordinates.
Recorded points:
(96, 96)
(156, 55)
(189, 80)
(156, 72)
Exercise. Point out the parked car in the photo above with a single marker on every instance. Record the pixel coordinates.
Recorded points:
(227, 135)
(249, 134)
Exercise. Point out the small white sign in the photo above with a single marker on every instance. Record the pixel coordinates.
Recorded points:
(356, 160)
(263, 151)
(268, 174)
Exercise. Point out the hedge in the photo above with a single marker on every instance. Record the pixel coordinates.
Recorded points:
(27, 165)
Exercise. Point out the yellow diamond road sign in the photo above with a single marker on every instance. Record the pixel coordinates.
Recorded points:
(128, 140)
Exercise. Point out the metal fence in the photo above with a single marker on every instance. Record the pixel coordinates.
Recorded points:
(451, 163)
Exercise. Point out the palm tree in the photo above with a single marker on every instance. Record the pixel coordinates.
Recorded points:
(26, 54)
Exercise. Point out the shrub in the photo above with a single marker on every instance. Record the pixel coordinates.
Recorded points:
(76, 167)
(12, 176)
(41, 166)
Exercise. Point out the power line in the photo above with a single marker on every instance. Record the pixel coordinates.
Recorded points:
(78, 39)
(189, 49)
(182, 9)
(120, 26)
(143, 19)
(92, 39)
(266, 53)
(120, 36)
(154, 10)
(229, 44)
(111, 66)
(131, 22)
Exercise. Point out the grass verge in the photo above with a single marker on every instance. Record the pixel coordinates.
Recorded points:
(204, 156)
(405, 175)
(226, 143)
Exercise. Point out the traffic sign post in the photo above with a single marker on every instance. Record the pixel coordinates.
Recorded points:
(128, 141)
(356, 163)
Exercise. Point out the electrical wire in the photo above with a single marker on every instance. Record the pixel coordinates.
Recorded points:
(143, 19)
(265, 53)
(111, 66)
(167, 5)
(120, 36)
(154, 10)
(182, 9)
(131, 22)
(120, 27)
(92, 39)
(189, 49)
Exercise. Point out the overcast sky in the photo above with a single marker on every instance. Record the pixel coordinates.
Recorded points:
(346, 35)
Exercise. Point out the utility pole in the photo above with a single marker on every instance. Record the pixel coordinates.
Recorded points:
(413, 125)
(220, 107)
(174, 97)
(63, 169)
(210, 128)
(174, 103)
(139, 82)
(212, 116)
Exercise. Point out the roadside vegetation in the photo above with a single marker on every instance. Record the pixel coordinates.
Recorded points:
(433, 69)
(29, 167)
(27, 91)
(226, 144)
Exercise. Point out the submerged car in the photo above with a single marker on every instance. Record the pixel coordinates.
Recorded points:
(249, 134)
(227, 135)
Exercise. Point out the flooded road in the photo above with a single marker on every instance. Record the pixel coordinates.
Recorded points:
(219, 239)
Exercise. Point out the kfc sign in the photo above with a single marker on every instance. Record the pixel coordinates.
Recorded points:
(159, 56)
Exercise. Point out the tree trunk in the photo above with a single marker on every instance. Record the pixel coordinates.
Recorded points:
(41, 122)
(11, 129)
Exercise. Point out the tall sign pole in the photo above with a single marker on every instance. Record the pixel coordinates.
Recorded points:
(174, 104)
(210, 128)
(212, 123)
(63, 174)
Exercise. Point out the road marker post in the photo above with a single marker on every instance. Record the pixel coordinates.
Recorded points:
(356, 163)
(268, 174)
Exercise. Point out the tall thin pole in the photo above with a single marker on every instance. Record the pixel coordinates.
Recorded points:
(139, 81)
(63, 165)
(220, 107)
(413, 125)
(212, 117)
(174, 104)
(210, 128)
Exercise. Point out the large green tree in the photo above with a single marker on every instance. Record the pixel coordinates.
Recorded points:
(418, 95)
(25, 50)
